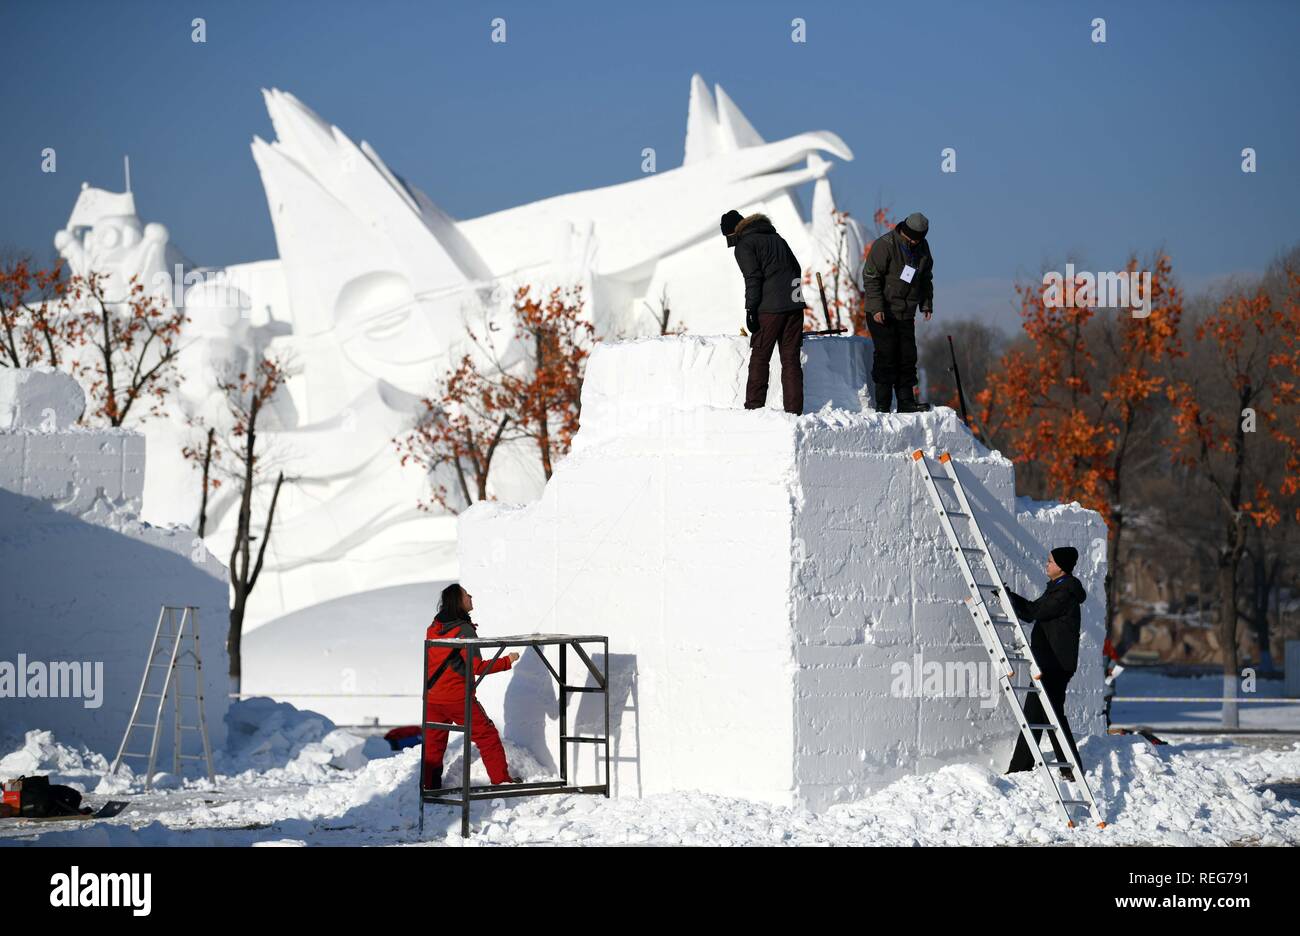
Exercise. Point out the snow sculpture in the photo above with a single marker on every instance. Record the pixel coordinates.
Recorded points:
(785, 621)
(370, 296)
(104, 234)
(82, 577)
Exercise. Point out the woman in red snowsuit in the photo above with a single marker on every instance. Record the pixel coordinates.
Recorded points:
(444, 701)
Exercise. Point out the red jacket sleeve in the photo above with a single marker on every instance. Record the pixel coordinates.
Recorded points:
(500, 666)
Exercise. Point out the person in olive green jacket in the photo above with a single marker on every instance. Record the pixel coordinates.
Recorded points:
(897, 280)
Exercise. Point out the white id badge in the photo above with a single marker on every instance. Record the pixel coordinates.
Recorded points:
(907, 274)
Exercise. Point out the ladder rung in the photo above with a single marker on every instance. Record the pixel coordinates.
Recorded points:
(1043, 727)
(1029, 688)
(133, 754)
(1058, 763)
(192, 757)
(955, 513)
(584, 740)
(1075, 802)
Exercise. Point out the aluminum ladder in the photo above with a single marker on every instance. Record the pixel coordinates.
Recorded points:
(175, 625)
(1011, 655)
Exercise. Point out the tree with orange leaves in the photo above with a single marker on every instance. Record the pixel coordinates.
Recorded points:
(1244, 376)
(32, 331)
(543, 395)
(460, 429)
(530, 391)
(131, 345)
(1075, 401)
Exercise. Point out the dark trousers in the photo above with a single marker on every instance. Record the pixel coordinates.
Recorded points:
(894, 346)
(1053, 683)
(782, 330)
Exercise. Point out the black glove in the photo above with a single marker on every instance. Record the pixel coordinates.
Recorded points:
(751, 322)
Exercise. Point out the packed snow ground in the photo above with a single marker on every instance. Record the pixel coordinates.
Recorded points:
(291, 778)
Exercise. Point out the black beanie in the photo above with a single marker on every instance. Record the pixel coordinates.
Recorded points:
(729, 222)
(1067, 557)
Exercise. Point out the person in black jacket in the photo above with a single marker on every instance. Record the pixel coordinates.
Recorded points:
(774, 306)
(1055, 645)
(897, 279)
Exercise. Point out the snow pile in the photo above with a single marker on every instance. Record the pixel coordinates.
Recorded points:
(776, 589)
(83, 578)
(267, 742)
(42, 754)
(264, 735)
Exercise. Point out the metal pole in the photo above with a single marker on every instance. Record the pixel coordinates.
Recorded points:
(956, 375)
(469, 716)
(424, 735)
(564, 714)
(176, 729)
(607, 737)
(198, 692)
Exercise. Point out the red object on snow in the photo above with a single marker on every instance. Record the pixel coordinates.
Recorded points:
(404, 736)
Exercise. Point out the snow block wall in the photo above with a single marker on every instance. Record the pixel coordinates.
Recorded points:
(785, 618)
(82, 578)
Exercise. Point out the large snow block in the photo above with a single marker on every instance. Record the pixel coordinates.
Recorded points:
(39, 398)
(786, 621)
(81, 583)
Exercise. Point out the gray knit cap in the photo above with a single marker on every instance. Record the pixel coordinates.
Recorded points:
(916, 226)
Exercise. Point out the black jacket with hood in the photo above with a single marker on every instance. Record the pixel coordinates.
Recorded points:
(1056, 619)
(773, 277)
(882, 284)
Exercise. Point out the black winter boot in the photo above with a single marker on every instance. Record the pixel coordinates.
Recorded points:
(908, 403)
(883, 397)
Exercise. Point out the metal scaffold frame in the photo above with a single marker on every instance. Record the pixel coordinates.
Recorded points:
(465, 793)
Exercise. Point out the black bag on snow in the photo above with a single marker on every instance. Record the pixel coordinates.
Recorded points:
(41, 799)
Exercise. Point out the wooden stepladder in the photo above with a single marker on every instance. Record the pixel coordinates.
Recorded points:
(999, 629)
(168, 657)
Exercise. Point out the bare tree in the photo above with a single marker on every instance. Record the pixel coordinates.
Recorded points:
(247, 396)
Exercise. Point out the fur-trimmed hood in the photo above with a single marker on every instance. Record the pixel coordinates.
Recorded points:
(755, 223)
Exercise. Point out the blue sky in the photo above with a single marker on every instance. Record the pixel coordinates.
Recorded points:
(1065, 148)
